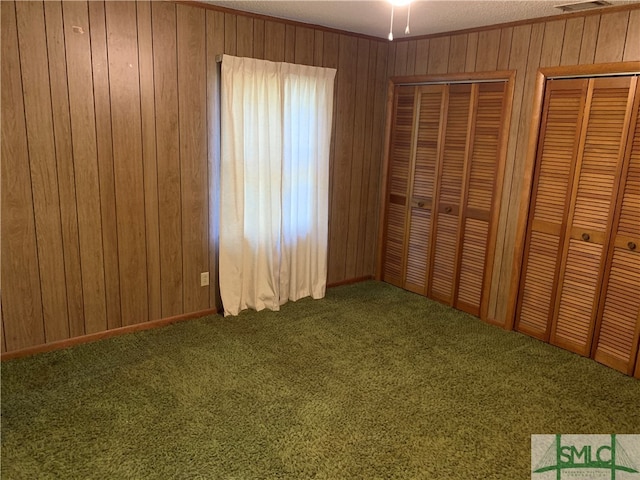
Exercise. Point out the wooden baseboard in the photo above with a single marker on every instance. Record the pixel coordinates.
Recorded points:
(350, 281)
(93, 337)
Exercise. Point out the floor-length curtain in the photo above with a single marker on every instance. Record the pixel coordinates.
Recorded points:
(274, 181)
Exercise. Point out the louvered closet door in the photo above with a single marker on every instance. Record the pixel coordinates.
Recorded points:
(597, 173)
(617, 334)
(481, 183)
(400, 164)
(558, 144)
(429, 120)
(449, 193)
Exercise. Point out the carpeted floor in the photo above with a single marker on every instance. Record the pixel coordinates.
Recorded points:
(371, 382)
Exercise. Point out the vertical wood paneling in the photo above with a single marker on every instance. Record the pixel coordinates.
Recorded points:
(102, 105)
(611, 37)
(304, 46)
(85, 157)
(488, 49)
(422, 56)
(374, 198)
(400, 68)
(258, 38)
(64, 160)
(318, 48)
(517, 61)
(127, 159)
(42, 160)
(244, 36)
(341, 175)
(632, 43)
(472, 52)
(289, 43)
(165, 58)
(21, 296)
(149, 156)
(274, 41)
(505, 48)
(517, 161)
(552, 43)
(230, 39)
(192, 98)
(411, 57)
(438, 55)
(589, 38)
(215, 44)
(457, 53)
(357, 209)
(572, 40)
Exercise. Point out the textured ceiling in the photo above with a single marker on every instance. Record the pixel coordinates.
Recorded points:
(427, 16)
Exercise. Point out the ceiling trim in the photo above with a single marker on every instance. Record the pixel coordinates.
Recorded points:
(529, 21)
(286, 21)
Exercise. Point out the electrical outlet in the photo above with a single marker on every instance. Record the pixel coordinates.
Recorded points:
(204, 279)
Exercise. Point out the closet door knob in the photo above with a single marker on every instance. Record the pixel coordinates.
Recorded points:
(631, 245)
(585, 237)
(421, 204)
(447, 210)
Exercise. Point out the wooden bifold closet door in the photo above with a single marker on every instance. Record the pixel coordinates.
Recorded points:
(444, 177)
(581, 269)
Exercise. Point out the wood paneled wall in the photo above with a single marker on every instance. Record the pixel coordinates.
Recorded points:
(108, 152)
(595, 38)
(108, 181)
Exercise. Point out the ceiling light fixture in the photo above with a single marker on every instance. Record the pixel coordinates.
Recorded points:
(399, 3)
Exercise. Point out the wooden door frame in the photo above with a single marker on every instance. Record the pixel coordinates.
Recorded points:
(542, 76)
(506, 75)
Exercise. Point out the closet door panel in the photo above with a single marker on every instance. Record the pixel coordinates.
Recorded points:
(399, 168)
(619, 327)
(427, 135)
(449, 193)
(591, 213)
(557, 149)
(479, 193)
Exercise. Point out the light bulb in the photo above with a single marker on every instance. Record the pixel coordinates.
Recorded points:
(399, 3)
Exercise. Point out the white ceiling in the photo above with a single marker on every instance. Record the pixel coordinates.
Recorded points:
(427, 16)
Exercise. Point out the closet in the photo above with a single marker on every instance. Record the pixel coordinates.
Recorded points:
(444, 175)
(580, 279)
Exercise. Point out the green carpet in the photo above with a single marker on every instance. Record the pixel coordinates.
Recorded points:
(370, 382)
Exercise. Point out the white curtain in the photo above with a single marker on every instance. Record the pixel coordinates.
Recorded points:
(274, 182)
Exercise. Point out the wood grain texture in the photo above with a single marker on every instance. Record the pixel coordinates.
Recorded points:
(488, 49)
(341, 174)
(21, 295)
(472, 52)
(274, 41)
(42, 161)
(504, 51)
(215, 43)
(552, 43)
(422, 57)
(149, 157)
(611, 37)
(589, 39)
(258, 38)
(65, 163)
(124, 83)
(289, 43)
(165, 61)
(104, 147)
(244, 36)
(572, 40)
(357, 210)
(85, 158)
(304, 48)
(411, 57)
(192, 99)
(632, 42)
(438, 55)
(230, 38)
(457, 54)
